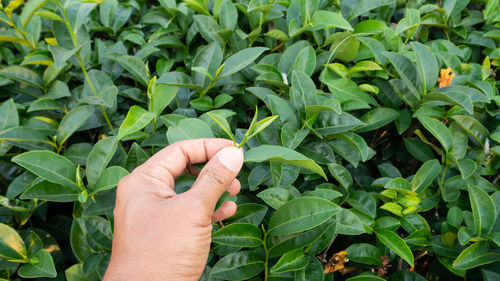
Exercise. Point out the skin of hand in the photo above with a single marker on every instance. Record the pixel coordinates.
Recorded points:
(161, 235)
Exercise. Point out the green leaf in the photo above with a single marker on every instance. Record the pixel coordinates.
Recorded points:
(136, 119)
(407, 72)
(72, 121)
(49, 15)
(418, 149)
(364, 66)
(238, 235)
(449, 95)
(363, 202)
(100, 90)
(11, 244)
(365, 6)
(305, 61)
(249, 212)
(99, 157)
(472, 126)
(375, 47)
(364, 253)
(301, 214)
(275, 196)
(259, 126)
(377, 118)
(467, 167)
(307, 9)
(48, 165)
(439, 131)
(393, 208)
(49, 191)
(222, 122)
(341, 174)
(475, 255)
(238, 266)
(370, 26)
(396, 244)
(291, 261)
(425, 175)
(62, 55)
(22, 75)
(282, 155)
(483, 209)
(349, 223)
(210, 58)
(109, 178)
(43, 268)
(328, 104)
(322, 19)
(10, 116)
(179, 79)
(44, 104)
(189, 128)
(133, 65)
(399, 184)
(453, 7)
(228, 15)
(240, 60)
(427, 66)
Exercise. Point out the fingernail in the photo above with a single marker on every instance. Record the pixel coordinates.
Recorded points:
(231, 158)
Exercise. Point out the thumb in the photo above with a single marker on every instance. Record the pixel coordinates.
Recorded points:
(217, 176)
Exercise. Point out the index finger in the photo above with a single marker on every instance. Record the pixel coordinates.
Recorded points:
(172, 161)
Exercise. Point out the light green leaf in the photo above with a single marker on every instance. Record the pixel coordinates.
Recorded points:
(11, 244)
(136, 119)
(189, 128)
(326, 19)
(43, 268)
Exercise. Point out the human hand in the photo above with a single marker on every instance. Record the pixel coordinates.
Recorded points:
(161, 235)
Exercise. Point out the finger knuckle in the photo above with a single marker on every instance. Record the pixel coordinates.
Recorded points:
(215, 176)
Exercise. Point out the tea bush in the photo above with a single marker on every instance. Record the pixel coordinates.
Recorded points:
(375, 124)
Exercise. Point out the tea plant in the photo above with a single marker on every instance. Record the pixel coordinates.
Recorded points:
(371, 131)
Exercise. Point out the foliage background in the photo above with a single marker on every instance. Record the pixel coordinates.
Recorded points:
(90, 89)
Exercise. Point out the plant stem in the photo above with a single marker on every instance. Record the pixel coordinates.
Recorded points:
(93, 89)
(266, 261)
(444, 172)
